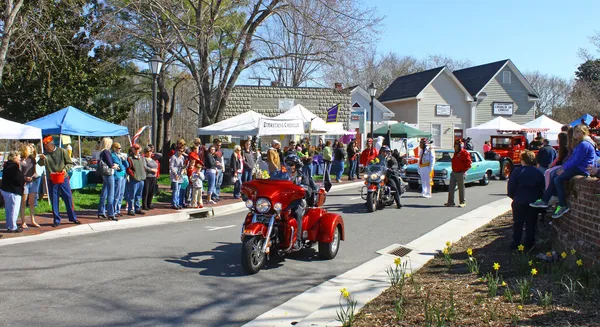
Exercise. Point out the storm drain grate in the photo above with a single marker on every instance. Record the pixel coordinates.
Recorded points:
(400, 251)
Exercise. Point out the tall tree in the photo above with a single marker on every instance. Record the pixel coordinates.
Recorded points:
(553, 91)
(10, 14)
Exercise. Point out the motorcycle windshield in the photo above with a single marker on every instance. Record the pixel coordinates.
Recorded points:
(282, 191)
(376, 169)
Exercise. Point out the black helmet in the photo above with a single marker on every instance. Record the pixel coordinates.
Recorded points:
(293, 160)
(384, 149)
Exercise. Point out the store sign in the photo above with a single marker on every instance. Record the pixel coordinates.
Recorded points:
(356, 115)
(503, 108)
(268, 126)
(443, 110)
(285, 104)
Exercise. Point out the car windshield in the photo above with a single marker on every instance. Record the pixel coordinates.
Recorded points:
(373, 169)
(501, 142)
(443, 157)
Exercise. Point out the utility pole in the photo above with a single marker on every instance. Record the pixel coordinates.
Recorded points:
(260, 79)
(279, 75)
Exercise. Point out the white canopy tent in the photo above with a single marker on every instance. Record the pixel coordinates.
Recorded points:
(480, 134)
(240, 125)
(549, 128)
(312, 122)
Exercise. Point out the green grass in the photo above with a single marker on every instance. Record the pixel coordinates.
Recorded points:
(166, 181)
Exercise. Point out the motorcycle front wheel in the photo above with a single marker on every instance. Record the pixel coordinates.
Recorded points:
(371, 202)
(253, 259)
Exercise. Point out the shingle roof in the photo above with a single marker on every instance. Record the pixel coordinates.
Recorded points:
(475, 78)
(409, 86)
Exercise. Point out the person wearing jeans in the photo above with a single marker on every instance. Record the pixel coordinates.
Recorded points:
(150, 181)
(120, 180)
(135, 185)
(249, 162)
(352, 150)
(107, 194)
(176, 171)
(12, 190)
(577, 164)
(210, 164)
(220, 168)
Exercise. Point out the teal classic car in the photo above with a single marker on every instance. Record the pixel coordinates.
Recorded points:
(481, 170)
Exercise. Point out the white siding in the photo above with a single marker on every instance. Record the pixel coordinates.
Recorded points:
(444, 91)
(404, 111)
(497, 91)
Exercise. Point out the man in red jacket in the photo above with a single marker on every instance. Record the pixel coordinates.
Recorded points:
(461, 162)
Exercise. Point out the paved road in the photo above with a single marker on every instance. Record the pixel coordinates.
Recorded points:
(189, 273)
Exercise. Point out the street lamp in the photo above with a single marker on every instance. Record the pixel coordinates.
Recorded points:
(155, 66)
(372, 91)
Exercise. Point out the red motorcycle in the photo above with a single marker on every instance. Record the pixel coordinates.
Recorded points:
(269, 227)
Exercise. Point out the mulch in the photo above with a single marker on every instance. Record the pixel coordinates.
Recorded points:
(437, 286)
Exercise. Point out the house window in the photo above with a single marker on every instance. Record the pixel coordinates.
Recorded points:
(436, 135)
(506, 77)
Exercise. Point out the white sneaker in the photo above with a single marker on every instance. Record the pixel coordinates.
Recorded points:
(427, 196)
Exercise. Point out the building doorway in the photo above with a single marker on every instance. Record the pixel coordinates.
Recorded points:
(436, 135)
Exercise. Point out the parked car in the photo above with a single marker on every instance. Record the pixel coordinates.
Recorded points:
(481, 170)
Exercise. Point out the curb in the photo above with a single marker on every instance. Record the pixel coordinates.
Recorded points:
(318, 306)
(178, 216)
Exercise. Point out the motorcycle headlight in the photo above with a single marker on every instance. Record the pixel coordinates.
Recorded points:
(374, 176)
(277, 207)
(366, 176)
(249, 204)
(263, 205)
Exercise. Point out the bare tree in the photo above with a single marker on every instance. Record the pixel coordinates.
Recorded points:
(10, 12)
(553, 91)
(582, 100)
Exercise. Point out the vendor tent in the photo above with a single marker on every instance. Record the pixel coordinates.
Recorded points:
(312, 122)
(480, 134)
(72, 121)
(14, 131)
(587, 118)
(549, 128)
(400, 130)
(240, 125)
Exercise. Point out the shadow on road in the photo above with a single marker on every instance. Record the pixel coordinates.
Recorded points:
(347, 208)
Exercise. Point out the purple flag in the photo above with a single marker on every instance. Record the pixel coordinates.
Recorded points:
(332, 114)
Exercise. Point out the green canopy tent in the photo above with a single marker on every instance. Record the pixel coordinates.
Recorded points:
(401, 131)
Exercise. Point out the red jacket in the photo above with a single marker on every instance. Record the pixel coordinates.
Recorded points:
(367, 155)
(193, 158)
(461, 162)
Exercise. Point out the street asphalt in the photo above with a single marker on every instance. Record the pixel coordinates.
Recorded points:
(189, 273)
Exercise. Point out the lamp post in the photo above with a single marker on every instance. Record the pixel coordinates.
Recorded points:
(155, 66)
(372, 91)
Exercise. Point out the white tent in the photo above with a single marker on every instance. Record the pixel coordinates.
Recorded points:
(14, 131)
(480, 134)
(549, 128)
(240, 125)
(313, 122)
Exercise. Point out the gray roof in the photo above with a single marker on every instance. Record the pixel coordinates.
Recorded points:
(409, 86)
(475, 78)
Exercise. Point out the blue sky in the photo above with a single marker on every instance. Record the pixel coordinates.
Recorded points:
(534, 34)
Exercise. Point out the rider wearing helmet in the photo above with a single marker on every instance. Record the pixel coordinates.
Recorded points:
(392, 164)
(294, 168)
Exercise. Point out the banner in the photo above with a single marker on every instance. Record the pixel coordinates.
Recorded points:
(268, 126)
(332, 114)
(137, 135)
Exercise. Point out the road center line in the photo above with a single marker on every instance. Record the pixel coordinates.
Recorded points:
(354, 198)
(211, 228)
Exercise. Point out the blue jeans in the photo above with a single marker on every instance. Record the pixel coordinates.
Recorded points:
(120, 183)
(307, 169)
(134, 195)
(339, 169)
(64, 191)
(246, 175)
(557, 185)
(12, 205)
(176, 197)
(218, 182)
(107, 196)
(211, 178)
(237, 188)
(352, 169)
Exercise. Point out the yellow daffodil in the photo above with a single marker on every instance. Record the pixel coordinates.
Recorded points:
(446, 251)
(579, 262)
(530, 262)
(397, 261)
(504, 283)
(549, 254)
(470, 252)
(407, 275)
(448, 244)
(573, 252)
(534, 272)
(345, 293)
(563, 255)
(520, 307)
(521, 247)
(496, 266)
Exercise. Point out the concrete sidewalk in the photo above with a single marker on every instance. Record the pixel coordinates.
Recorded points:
(163, 214)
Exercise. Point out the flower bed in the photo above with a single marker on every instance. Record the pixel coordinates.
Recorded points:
(478, 281)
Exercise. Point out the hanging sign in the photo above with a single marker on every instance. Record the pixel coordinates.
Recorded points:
(332, 114)
(267, 126)
(443, 110)
(503, 108)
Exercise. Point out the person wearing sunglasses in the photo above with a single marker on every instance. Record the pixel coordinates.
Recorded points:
(119, 159)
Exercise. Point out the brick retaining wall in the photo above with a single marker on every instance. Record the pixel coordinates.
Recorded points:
(580, 227)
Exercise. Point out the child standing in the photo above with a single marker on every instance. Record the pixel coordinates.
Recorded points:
(197, 186)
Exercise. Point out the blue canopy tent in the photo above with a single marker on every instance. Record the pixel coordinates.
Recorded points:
(587, 118)
(72, 121)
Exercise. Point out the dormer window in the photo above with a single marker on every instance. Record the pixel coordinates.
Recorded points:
(506, 77)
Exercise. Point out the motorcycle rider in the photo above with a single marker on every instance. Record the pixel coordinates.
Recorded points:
(392, 165)
(298, 208)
